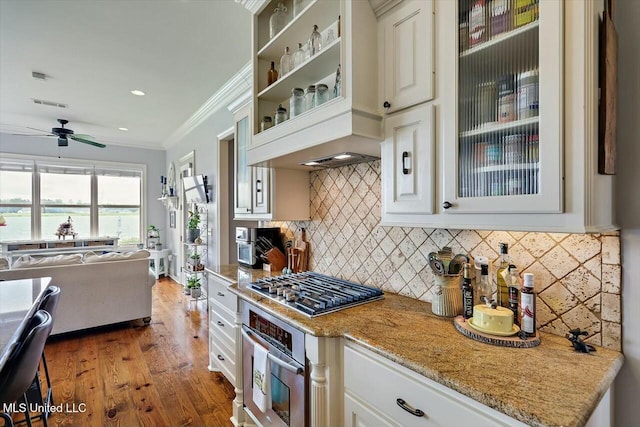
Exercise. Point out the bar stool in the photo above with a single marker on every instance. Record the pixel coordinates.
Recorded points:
(19, 371)
(49, 304)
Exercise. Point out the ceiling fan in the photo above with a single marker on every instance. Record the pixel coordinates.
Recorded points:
(64, 134)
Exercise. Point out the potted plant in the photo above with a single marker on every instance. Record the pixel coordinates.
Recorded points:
(193, 285)
(194, 261)
(193, 230)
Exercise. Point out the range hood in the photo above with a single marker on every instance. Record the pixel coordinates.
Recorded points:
(334, 136)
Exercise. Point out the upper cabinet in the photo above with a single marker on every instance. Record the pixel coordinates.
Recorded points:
(326, 45)
(516, 106)
(407, 37)
(262, 193)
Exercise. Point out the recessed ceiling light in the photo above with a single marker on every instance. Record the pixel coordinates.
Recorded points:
(137, 92)
(342, 156)
(124, 129)
(312, 164)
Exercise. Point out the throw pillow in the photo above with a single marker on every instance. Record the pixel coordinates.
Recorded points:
(91, 257)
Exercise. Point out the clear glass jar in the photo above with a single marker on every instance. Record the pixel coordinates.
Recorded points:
(311, 93)
(330, 37)
(278, 20)
(315, 41)
(322, 95)
(286, 62)
(298, 56)
(281, 115)
(297, 102)
(265, 123)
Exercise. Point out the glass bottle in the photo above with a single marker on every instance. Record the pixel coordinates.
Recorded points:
(278, 20)
(272, 74)
(311, 92)
(322, 95)
(337, 88)
(467, 292)
(281, 115)
(297, 102)
(286, 62)
(514, 290)
(330, 37)
(528, 306)
(266, 123)
(502, 276)
(298, 56)
(315, 41)
(483, 290)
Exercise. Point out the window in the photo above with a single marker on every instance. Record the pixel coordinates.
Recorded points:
(101, 200)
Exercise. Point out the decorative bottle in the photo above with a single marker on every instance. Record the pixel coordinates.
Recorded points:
(528, 306)
(467, 292)
(484, 291)
(298, 56)
(278, 20)
(514, 291)
(315, 41)
(502, 276)
(286, 62)
(272, 74)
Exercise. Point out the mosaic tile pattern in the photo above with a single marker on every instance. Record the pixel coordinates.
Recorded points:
(577, 276)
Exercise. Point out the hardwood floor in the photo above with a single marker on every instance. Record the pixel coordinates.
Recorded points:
(152, 375)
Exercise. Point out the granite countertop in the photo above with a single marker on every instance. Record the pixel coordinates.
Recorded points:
(548, 385)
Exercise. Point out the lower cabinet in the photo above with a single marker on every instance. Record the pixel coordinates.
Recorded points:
(379, 392)
(223, 341)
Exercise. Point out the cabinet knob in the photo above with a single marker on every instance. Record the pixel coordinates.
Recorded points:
(404, 405)
(220, 357)
(447, 205)
(220, 324)
(220, 294)
(386, 104)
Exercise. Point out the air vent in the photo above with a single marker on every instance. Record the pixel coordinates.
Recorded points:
(49, 103)
(340, 159)
(39, 76)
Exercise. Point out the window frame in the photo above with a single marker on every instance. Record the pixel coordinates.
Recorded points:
(40, 162)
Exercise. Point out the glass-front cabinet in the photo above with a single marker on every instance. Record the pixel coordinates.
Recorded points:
(505, 153)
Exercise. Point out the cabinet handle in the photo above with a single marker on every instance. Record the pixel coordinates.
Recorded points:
(405, 167)
(220, 294)
(220, 358)
(447, 205)
(220, 324)
(386, 104)
(404, 405)
(258, 186)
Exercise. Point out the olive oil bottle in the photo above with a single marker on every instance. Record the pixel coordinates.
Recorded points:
(502, 278)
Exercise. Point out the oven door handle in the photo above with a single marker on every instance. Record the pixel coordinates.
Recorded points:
(282, 363)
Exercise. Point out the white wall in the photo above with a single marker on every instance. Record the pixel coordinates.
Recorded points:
(154, 159)
(627, 20)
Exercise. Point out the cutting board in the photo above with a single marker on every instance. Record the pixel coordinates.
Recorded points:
(607, 120)
(514, 341)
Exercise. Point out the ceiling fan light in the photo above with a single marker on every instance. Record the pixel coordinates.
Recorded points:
(63, 142)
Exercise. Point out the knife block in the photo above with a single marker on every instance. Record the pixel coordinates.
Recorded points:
(276, 258)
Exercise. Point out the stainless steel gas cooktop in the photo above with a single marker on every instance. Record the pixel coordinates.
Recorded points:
(314, 294)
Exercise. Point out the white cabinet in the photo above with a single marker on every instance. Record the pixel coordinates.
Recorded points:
(264, 193)
(407, 34)
(408, 160)
(350, 121)
(407, 399)
(515, 122)
(224, 355)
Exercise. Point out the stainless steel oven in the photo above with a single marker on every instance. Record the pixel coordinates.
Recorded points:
(287, 361)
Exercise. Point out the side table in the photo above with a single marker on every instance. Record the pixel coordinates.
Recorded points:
(159, 262)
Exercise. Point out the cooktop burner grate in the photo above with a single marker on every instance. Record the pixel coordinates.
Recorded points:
(314, 294)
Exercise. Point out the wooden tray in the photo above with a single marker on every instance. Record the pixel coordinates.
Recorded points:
(513, 341)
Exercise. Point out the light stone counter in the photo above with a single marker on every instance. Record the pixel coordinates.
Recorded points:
(549, 385)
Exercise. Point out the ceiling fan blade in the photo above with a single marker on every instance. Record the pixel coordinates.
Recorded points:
(87, 139)
(48, 132)
(31, 134)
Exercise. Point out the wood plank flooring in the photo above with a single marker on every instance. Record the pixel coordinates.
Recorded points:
(135, 375)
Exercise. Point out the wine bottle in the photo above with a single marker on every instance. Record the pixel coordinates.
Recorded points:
(272, 75)
(528, 306)
(467, 292)
(502, 277)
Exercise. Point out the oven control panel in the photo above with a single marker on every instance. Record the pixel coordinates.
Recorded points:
(271, 330)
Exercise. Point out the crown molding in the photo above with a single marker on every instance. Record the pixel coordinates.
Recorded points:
(239, 102)
(236, 86)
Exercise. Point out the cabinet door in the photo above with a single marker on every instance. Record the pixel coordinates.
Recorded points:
(261, 188)
(503, 152)
(243, 173)
(408, 54)
(357, 414)
(408, 161)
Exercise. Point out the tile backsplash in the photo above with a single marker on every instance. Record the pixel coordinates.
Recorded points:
(577, 276)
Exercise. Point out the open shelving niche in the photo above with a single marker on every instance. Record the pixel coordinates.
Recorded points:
(200, 249)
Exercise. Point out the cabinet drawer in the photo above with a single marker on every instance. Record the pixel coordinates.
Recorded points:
(365, 372)
(220, 293)
(221, 359)
(220, 324)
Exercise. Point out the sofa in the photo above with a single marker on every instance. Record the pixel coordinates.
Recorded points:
(96, 290)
